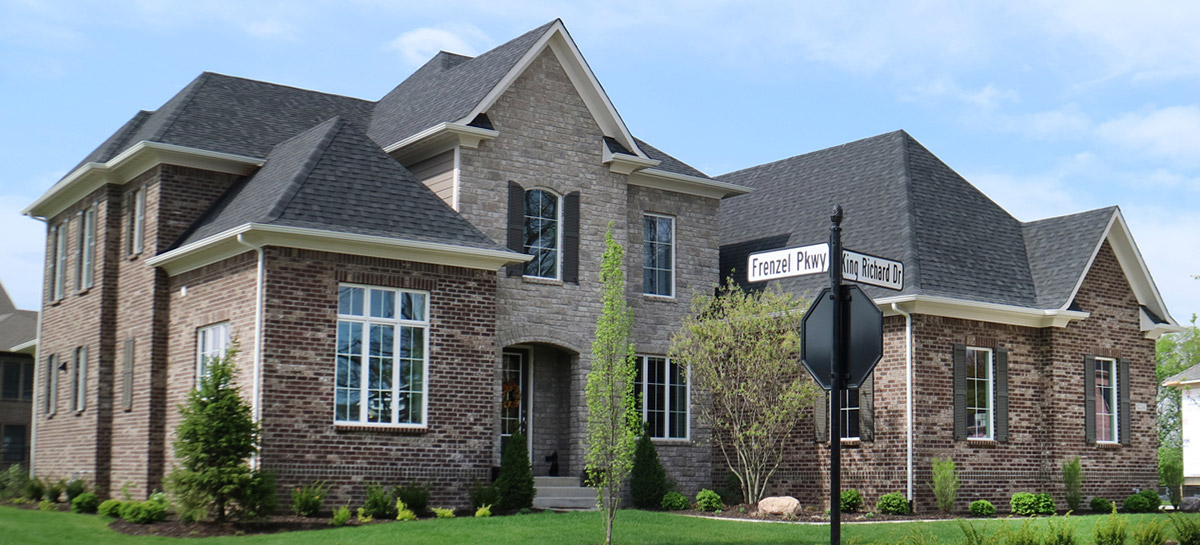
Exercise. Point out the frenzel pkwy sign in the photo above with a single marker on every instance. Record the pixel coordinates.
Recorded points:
(856, 267)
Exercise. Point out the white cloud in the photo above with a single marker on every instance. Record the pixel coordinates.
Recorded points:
(21, 253)
(1027, 197)
(987, 97)
(1167, 240)
(417, 46)
(1171, 133)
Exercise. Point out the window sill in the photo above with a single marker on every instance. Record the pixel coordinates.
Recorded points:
(83, 291)
(671, 441)
(981, 443)
(542, 281)
(658, 298)
(394, 430)
(1108, 445)
(851, 442)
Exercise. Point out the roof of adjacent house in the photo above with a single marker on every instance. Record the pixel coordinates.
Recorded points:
(903, 203)
(17, 327)
(1191, 374)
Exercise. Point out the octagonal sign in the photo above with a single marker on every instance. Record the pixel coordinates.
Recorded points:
(863, 335)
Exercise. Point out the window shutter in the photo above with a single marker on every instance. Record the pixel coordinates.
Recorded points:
(866, 409)
(52, 386)
(960, 392)
(821, 418)
(73, 382)
(1089, 399)
(1123, 404)
(81, 381)
(1002, 395)
(516, 225)
(570, 270)
(127, 377)
(49, 405)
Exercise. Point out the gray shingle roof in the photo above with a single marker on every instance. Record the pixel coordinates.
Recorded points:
(1191, 373)
(901, 202)
(17, 327)
(334, 178)
(668, 163)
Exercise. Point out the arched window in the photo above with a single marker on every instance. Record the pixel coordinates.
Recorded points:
(543, 220)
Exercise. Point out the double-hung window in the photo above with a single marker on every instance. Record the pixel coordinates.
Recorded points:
(382, 356)
(851, 424)
(17, 381)
(979, 393)
(85, 254)
(543, 216)
(658, 255)
(1106, 400)
(137, 222)
(13, 443)
(662, 389)
(211, 343)
(59, 253)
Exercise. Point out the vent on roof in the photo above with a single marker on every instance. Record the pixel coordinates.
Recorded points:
(482, 122)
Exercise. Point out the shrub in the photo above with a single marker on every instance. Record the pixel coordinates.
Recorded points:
(973, 535)
(85, 502)
(982, 508)
(892, 503)
(258, 498)
(1170, 471)
(54, 489)
(515, 481)
(1145, 501)
(674, 501)
(13, 481)
(144, 512)
(1027, 505)
(35, 489)
(648, 481)
(306, 500)
(730, 490)
(851, 501)
(1101, 505)
(74, 488)
(403, 512)
(1187, 529)
(1151, 532)
(415, 496)
(1061, 531)
(483, 511)
(945, 483)
(483, 494)
(364, 518)
(47, 505)
(1111, 530)
(341, 516)
(109, 508)
(443, 513)
(707, 500)
(1073, 482)
(379, 502)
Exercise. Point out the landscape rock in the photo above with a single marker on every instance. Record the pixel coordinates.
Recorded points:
(1190, 504)
(779, 505)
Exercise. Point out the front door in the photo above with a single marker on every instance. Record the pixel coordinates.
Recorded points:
(515, 396)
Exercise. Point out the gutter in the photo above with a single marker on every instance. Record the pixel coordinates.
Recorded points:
(258, 343)
(908, 379)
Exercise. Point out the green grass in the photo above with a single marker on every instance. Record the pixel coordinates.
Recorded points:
(632, 528)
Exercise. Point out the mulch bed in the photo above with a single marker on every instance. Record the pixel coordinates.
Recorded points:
(173, 527)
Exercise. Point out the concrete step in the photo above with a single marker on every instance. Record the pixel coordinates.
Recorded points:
(565, 492)
(539, 482)
(574, 504)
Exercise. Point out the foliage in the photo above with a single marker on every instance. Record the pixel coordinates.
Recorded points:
(214, 441)
(35, 489)
(74, 488)
(707, 500)
(1111, 530)
(1025, 534)
(53, 489)
(1150, 532)
(1145, 501)
(1101, 505)
(85, 502)
(674, 501)
(306, 500)
(973, 535)
(482, 494)
(982, 508)
(851, 500)
(919, 536)
(13, 482)
(144, 512)
(892, 503)
(1061, 531)
(613, 419)
(443, 513)
(415, 496)
(945, 483)
(379, 502)
(47, 505)
(363, 517)
(109, 508)
(648, 481)
(1072, 472)
(731, 490)
(1027, 505)
(1174, 352)
(1187, 529)
(403, 512)
(1170, 472)
(483, 511)
(341, 516)
(515, 482)
(741, 349)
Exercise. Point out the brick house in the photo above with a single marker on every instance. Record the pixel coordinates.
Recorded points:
(18, 344)
(409, 280)
(1013, 347)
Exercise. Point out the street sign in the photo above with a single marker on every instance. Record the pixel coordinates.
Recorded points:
(863, 329)
(876, 271)
(813, 259)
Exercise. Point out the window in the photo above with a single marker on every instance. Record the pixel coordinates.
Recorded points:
(85, 254)
(59, 251)
(13, 443)
(11, 380)
(137, 222)
(127, 377)
(850, 414)
(211, 343)
(79, 379)
(1106, 400)
(658, 255)
(382, 356)
(542, 219)
(51, 385)
(979, 393)
(662, 390)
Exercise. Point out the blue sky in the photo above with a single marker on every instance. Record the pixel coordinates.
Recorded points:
(1048, 107)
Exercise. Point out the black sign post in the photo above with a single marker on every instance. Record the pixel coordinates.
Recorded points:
(837, 365)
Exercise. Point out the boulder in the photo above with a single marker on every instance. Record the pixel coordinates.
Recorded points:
(779, 505)
(1190, 504)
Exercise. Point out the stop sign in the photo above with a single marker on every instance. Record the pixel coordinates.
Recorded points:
(863, 333)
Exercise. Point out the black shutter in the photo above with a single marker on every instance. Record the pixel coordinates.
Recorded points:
(516, 225)
(127, 377)
(960, 392)
(1123, 404)
(1002, 395)
(821, 417)
(1089, 399)
(866, 409)
(570, 270)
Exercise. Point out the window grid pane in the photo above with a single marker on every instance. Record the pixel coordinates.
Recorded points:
(541, 233)
(662, 392)
(979, 388)
(850, 425)
(658, 261)
(1106, 401)
(391, 358)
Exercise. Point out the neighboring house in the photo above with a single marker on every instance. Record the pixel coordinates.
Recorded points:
(18, 348)
(409, 280)
(1013, 347)
(1188, 383)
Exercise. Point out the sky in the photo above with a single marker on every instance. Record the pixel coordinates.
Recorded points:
(1049, 108)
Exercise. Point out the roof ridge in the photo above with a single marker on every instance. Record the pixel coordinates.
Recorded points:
(285, 86)
(906, 179)
(336, 126)
(1109, 208)
(807, 153)
(172, 116)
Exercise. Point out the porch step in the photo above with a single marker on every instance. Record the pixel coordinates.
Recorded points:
(562, 494)
(539, 482)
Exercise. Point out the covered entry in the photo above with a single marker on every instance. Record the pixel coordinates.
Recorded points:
(535, 398)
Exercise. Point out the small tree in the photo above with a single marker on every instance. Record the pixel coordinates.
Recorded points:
(1170, 471)
(214, 442)
(742, 350)
(515, 482)
(945, 483)
(1073, 483)
(648, 481)
(613, 418)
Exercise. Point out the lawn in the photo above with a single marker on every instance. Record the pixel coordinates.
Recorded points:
(26, 527)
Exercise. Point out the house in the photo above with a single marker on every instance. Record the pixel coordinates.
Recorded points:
(408, 281)
(1186, 382)
(1012, 347)
(18, 347)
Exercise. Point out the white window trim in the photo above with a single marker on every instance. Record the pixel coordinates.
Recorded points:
(1115, 418)
(674, 254)
(138, 217)
(60, 261)
(207, 332)
(366, 319)
(88, 254)
(643, 362)
(991, 392)
(558, 233)
(845, 414)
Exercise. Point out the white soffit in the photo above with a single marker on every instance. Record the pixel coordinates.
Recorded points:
(980, 311)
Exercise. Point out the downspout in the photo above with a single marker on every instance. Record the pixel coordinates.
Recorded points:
(256, 396)
(37, 362)
(908, 376)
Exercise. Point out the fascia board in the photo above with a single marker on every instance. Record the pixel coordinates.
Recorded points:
(623, 163)
(682, 183)
(27, 347)
(225, 245)
(980, 311)
(439, 138)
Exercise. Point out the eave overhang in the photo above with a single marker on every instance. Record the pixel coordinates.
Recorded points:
(624, 163)
(980, 311)
(682, 183)
(437, 139)
(27, 347)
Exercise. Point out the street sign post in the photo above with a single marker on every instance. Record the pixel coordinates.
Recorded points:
(876, 271)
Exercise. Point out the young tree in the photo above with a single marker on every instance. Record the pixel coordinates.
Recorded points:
(648, 481)
(743, 350)
(515, 482)
(613, 419)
